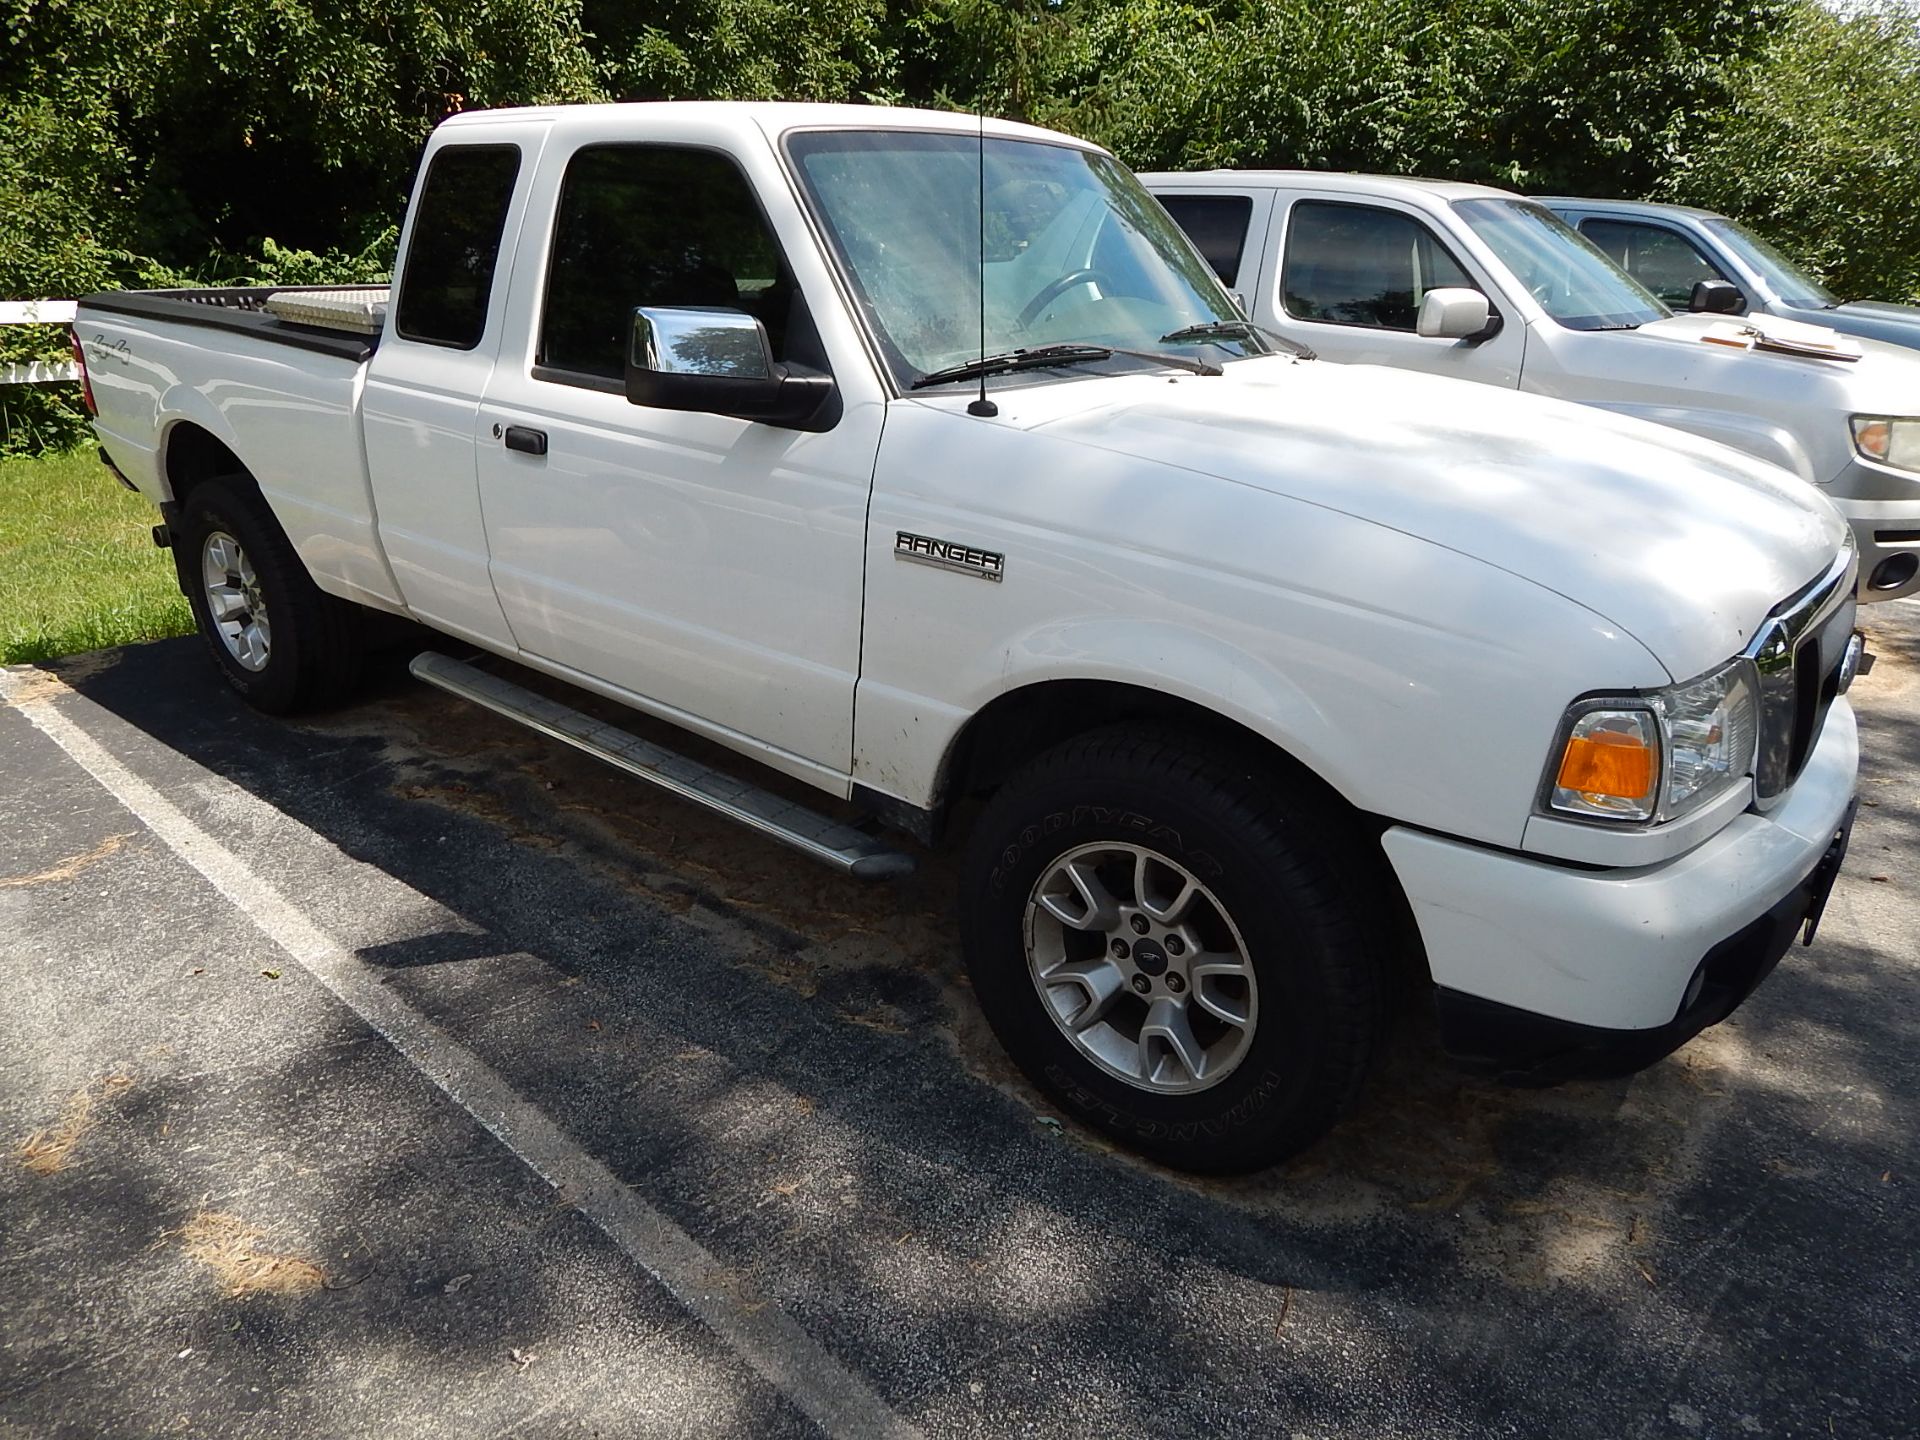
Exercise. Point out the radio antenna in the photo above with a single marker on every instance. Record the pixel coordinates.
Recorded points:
(981, 405)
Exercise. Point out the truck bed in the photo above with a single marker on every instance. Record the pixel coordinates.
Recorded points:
(241, 309)
(282, 397)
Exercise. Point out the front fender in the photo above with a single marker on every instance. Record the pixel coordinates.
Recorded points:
(1418, 681)
(1760, 438)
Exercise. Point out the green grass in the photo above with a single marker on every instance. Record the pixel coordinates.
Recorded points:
(78, 568)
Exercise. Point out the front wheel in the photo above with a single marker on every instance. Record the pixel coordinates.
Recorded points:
(1175, 948)
(279, 640)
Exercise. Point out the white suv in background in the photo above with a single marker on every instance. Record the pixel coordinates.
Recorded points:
(1487, 285)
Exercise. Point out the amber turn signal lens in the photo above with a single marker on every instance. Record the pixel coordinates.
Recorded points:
(1607, 762)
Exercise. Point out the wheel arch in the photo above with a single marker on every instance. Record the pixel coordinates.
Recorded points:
(192, 454)
(1023, 723)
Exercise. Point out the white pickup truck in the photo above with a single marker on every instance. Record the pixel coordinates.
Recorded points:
(1263, 684)
(1486, 285)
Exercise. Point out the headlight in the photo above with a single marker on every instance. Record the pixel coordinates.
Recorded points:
(1710, 726)
(1888, 439)
(1656, 756)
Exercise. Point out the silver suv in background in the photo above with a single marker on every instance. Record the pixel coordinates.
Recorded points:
(1671, 248)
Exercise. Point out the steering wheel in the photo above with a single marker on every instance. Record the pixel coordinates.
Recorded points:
(1055, 289)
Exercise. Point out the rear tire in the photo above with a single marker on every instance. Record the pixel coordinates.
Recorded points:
(1179, 949)
(279, 640)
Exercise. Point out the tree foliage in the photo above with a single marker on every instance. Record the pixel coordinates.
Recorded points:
(1530, 93)
(1818, 148)
(155, 141)
(739, 49)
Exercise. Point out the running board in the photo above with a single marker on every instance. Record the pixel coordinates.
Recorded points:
(850, 851)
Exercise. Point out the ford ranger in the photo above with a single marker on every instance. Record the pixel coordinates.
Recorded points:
(923, 461)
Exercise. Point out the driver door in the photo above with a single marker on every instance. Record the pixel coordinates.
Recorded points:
(707, 568)
(1348, 279)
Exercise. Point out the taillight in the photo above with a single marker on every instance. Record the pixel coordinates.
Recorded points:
(80, 364)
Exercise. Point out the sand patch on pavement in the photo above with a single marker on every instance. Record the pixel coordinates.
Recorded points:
(69, 867)
(47, 1151)
(237, 1254)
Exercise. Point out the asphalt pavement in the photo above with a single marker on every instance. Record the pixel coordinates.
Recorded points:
(397, 1072)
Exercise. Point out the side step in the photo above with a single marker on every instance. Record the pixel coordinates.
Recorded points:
(851, 851)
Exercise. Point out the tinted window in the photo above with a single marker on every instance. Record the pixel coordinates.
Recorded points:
(655, 225)
(1356, 265)
(1217, 224)
(1663, 260)
(462, 212)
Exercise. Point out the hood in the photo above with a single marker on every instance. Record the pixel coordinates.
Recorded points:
(1875, 320)
(1806, 339)
(1882, 379)
(1682, 543)
(1882, 310)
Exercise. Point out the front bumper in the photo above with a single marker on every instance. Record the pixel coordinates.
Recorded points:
(1549, 971)
(1887, 533)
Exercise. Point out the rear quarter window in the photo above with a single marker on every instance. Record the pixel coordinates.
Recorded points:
(1217, 225)
(455, 247)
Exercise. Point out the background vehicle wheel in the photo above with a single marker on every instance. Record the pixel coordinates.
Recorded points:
(280, 640)
(1177, 949)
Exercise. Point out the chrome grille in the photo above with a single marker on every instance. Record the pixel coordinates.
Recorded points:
(1798, 652)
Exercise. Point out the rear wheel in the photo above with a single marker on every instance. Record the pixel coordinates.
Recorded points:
(279, 640)
(1176, 948)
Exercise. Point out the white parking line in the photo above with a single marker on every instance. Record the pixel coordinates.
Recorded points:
(761, 1333)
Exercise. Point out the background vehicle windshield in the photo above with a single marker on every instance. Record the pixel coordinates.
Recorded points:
(1789, 281)
(1571, 277)
(1076, 250)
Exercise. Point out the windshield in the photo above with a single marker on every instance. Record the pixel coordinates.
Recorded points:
(1789, 281)
(1571, 277)
(1076, 251)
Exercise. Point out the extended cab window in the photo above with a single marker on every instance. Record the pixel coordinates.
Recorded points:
(1217, 225)
(654, 225)
(1663, 260)
(456, 243)
(1360, 265)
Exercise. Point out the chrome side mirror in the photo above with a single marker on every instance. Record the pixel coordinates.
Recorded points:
(720, 362)
(1454, 313)
(723, 344)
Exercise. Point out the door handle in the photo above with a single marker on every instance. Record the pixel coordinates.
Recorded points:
(526, 440)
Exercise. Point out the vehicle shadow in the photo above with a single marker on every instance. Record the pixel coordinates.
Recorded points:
(790, 1066)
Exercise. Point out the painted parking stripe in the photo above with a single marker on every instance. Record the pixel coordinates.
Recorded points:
(761, 1333)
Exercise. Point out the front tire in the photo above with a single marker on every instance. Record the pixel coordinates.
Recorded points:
(276, 637)
(1178, 949)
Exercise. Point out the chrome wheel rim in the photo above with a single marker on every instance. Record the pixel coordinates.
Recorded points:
(233, 600)
(1141, 968)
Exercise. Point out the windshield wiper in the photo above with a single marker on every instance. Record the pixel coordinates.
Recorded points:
(1237, 330)
(1041, 357)
(1037, 358)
